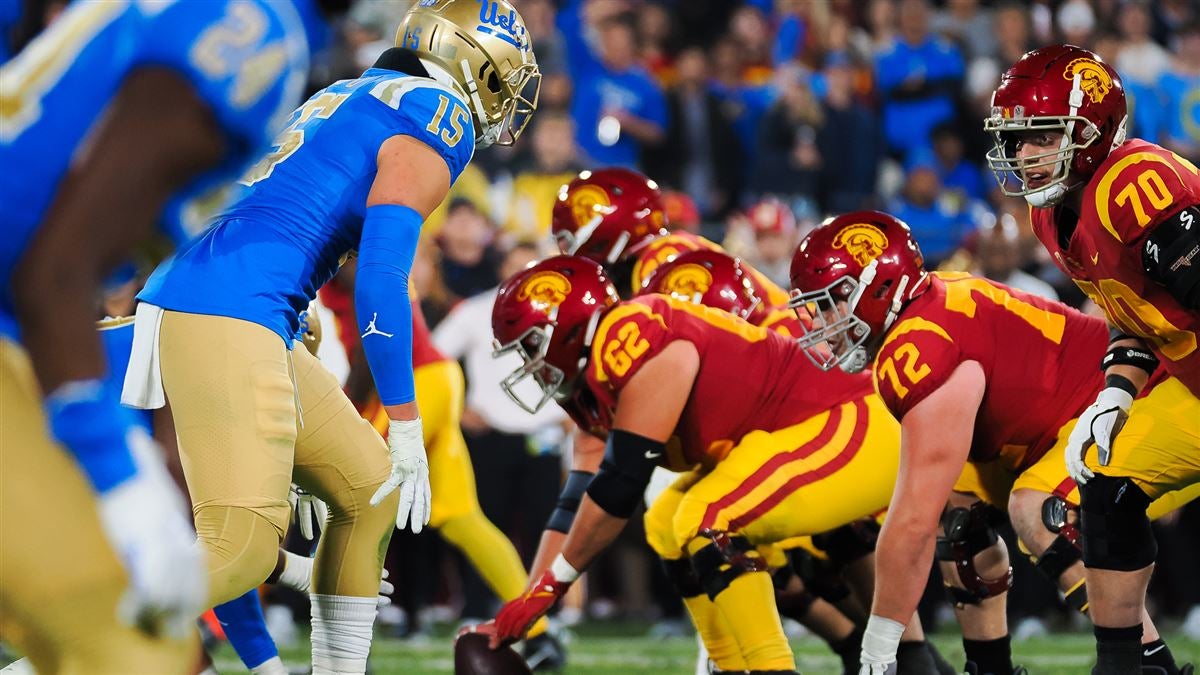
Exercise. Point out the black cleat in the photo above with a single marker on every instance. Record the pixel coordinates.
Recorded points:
(544, 653)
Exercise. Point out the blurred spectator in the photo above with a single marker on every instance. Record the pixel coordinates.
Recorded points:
(775, 239)
(1013, 32)
(803, 31)
(681, 212)
(744, 103)
(881, 23)
(618, 108)
(1180, 91)
(549, 47)
(657, 48)
(1141, 59)
(701, 155)
(748, 27)
(1076, 21)
(1170, 17)
(849, 142)
(955, 171)
(919, 78)
(789, 161)
(535, 187)
(998, 257)
(969, 25)
(937, 228)
(469, 256)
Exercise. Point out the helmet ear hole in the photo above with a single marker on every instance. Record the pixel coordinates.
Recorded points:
(884, 288)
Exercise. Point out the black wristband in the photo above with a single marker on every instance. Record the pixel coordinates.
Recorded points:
(568, 501)
(1130, 356)
(1120, 382)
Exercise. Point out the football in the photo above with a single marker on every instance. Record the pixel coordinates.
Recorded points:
(473, 657)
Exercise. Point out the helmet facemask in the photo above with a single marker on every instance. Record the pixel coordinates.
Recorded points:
(517, 93)
(533, 346)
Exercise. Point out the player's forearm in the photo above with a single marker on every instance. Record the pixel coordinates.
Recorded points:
(548, 548)
(903, 555)
(594, 530)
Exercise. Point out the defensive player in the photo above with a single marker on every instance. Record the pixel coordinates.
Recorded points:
(986, 382)
(764, 458)
(358, 167)
(120, 116)
(1120, 217)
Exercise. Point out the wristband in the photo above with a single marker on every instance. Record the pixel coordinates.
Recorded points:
(1120, 382)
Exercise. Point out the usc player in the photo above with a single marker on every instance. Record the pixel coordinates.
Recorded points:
(768, 459)
(986, 382)
(1120, 217)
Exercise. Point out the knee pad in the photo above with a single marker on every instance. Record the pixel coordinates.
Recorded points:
(969, 532)
(1116, 530)
(849, 542)
(682, 576)
(243, 545)
(819, 576)
(724, 559)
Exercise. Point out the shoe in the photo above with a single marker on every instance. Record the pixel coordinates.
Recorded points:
(544, 653)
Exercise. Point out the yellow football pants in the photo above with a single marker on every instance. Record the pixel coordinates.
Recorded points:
(59, 579)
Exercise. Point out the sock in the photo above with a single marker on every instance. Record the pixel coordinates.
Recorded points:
(1118, 650)
(848, 649)
(1158, 654)
(913, 658)
(748, 605)
(341, 633)
(272, 666)
(714, 632)
(992, 657)
(246, 629)
(297, 572)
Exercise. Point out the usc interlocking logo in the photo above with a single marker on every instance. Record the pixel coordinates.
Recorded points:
(687, 281)
(1093, 78)
(587, 202)
(546, 290)
(863, 241)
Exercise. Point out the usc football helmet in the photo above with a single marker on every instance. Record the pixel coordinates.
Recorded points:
(853, 274)
(709, 278)
(483, 47)
(606, 214)
(1064, 89)
(547, 314)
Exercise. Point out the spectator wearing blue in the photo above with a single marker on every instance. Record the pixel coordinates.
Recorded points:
(849, 142)
(789, 160)
(936, 225)
(919, 77)
(619, 109)
(1180, 91)
(745, 103)
(957, 174)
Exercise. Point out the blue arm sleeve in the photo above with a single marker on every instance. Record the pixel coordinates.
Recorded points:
(385, 256)
(244, 626)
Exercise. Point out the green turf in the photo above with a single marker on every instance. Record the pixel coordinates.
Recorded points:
(624, 649)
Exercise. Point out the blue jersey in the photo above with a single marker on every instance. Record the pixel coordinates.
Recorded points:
(246, 59)
(1181, 112)
(303, 205)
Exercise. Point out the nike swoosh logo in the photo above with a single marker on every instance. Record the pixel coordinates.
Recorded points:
(1152, 652)
(1095, 258)
(653, 455)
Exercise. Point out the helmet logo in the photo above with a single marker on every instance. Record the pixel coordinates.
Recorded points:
(1094, 80)
(586, 202)
(863, 241)
(505, 27)
(546, 290)
(688, 281)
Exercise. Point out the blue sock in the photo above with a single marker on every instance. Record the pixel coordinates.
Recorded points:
(244, 625)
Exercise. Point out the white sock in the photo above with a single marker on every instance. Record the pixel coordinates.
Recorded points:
(272, 666)
(341, 633)
(297, 571)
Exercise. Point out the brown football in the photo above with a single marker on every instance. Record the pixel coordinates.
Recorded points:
(473, 657)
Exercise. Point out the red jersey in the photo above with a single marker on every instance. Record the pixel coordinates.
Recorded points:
(660, 250)
(1136, 188)
(750, 378)
(1040, 359)
(341, 302)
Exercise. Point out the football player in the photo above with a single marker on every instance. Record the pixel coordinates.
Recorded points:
(120, 116)
(986, 382)
(357, 168)
(656, 375)
(1121, 217)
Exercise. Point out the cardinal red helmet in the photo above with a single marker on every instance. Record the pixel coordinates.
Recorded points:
(1064, 89)
(547, 314)
(853, 274)
(709, 278)
(605, 214)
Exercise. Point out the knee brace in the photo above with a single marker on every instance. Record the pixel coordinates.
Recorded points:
(969, 532)
(726, 558)
(849, 542)
(682, 576)
(819, 576)
(1116, 530)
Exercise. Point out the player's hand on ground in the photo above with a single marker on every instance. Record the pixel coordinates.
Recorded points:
(310, 511)
(410, 474)
(1098, 425)
(516, 616)
(147, 522)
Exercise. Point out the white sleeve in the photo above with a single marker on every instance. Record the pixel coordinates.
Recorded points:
(454, 335)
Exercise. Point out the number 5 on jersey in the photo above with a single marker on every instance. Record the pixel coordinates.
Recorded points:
(291, 138)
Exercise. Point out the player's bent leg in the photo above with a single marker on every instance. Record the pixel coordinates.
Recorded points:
(246, 629)
(60, 581)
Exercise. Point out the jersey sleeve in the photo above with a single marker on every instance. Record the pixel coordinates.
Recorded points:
(431, 113)
(629, 336)
(916, 358)
(1141, 190)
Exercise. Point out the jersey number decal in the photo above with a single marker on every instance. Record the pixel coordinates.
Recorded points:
(458, 117)
(620, 352)
(290, 140)
(1129, 312)
(907, 355)
(1155, 190)
(960, 298)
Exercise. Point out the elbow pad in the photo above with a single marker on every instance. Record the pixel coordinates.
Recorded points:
(629, 459)
(1171, 256)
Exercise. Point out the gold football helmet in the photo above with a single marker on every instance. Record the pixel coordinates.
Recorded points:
(484, 47)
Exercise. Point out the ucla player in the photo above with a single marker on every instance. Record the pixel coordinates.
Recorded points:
(357, 169)
(119, 116)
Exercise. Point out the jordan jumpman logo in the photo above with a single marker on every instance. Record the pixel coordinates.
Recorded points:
(372, 330)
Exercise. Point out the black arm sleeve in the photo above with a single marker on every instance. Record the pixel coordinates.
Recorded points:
(568, 501)
(629, 459)
(1171, 256)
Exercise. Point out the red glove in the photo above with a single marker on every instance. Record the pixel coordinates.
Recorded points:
(517, 616)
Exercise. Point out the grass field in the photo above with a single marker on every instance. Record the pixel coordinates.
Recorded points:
(625, 649)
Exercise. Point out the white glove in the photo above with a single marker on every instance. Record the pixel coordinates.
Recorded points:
(1099, 424)
(879, 644)
(146, 521)
(309, 510)
(410, 473)
(385, 591)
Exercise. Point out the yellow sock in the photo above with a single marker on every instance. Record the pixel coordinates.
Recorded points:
(492, 555)
(714, 631)
(748, 605)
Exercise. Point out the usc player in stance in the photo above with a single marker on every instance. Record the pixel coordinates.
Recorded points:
(986, 382)
(1122, 219)
(654, 373)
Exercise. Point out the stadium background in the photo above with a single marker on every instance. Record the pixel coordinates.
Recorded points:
(758, 118)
